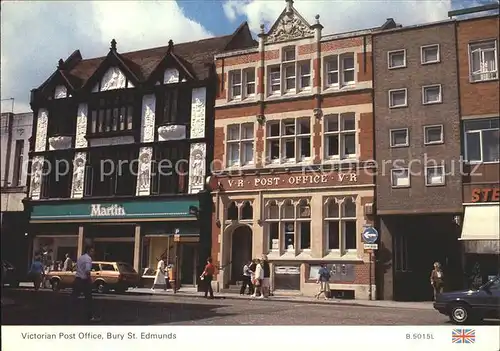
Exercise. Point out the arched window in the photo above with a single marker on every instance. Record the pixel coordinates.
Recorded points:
(348, 208)
(272, 210)
(247, 210)
(304, 210)
(340, 221)
(288, 210)
(232, 212)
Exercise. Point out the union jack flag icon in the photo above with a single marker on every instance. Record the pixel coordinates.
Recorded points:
(463, 336)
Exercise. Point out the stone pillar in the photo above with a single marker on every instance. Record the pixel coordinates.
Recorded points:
(38, 161)
(198, 151)
(80, 159)
(317, 237)
(137, 248)
(81, 242)
(146, 153)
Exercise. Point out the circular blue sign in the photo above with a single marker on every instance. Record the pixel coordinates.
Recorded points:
(370, 235)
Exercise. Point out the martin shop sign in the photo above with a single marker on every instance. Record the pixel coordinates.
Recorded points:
(122, 210)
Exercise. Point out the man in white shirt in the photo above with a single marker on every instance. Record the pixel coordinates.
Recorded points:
(83, 282)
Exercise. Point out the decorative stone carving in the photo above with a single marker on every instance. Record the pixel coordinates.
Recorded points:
(198, 103)
(112, 141)
(148, 118)
(289, 27)
(41, 130)
(36, 177)
(78, 175)
(113, 79)
(59, 142)
(171, 76)
(172, 132)
(60, 92)
(197, 163)
(95, 89)
(81, 127)
(144, 174)
(318, 113)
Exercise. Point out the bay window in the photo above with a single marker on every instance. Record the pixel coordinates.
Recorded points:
(340, 225)
(339, 132)
(289, 140)
(240, 144)
(482, 140)
(340, 70)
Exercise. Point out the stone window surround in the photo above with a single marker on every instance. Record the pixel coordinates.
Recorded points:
(341, 218)
(394, 91)
(241, 143)
(297, 139)
(431, 86)
(340, 85)
(340, 132)
(392, 142)
(428, 182)
(296, 219)
(423, 48)
(426, 128)
(392, 177)
(396, 52)
(243, 84)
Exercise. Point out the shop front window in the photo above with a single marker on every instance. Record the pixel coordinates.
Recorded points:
(288, 225)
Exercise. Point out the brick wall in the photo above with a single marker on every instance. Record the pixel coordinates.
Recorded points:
(480, 97)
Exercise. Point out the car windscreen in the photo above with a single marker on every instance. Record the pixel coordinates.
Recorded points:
(126, 268)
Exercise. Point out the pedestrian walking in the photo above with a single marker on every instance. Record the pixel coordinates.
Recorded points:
(37, 272)
(68, 263)
(160, 281)
(437, 279)
(207, 276)
(266, 280)
(324, 282)
(83, 283)
(247, 280)
(259, 275)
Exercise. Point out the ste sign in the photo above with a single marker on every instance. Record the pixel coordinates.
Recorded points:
(370, 236)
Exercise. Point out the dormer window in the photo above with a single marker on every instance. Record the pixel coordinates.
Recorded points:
(242, 83)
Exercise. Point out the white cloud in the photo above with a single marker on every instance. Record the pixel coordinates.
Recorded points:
(35, 35)
(341, 15)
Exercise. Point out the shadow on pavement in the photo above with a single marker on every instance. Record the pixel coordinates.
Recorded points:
(49, 308)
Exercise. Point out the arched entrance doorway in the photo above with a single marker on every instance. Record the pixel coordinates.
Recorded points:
(241, 251)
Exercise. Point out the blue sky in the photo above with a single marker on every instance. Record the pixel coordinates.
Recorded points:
(35, 35)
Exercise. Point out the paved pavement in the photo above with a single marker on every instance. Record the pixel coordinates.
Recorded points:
(294, 299)
(51, 308)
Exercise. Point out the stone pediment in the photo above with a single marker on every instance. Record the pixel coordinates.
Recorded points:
(289, 26)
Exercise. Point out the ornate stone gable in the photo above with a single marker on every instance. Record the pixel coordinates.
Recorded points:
(289, 26)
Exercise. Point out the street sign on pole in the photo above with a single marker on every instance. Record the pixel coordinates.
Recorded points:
(369, 235)
(371, 246)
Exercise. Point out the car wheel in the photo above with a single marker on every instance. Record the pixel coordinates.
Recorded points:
(55, 285)
(460, 313)
(101, 287)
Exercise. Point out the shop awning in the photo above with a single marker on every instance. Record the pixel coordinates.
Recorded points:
(481, 222)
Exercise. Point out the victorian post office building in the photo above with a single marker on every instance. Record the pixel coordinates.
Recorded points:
(120, 155)
(293, 134)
